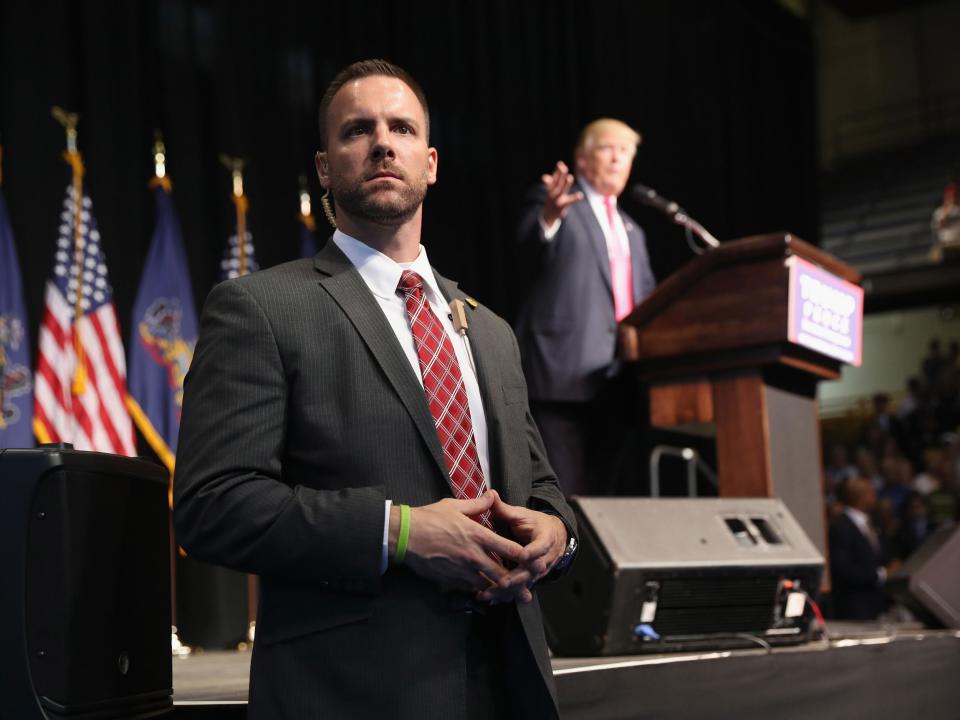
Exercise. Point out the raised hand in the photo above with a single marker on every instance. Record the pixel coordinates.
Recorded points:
(559, 198)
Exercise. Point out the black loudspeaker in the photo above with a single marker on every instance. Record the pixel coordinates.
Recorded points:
(655, 575)
(85, 597)
(929, 581)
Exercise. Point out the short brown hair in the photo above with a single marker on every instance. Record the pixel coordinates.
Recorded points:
(369, 68)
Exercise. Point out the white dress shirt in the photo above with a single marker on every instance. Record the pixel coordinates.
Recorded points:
(382, 275)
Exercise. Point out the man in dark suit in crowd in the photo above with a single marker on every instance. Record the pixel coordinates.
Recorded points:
(857, 570)
(381, 475)
(591, 269)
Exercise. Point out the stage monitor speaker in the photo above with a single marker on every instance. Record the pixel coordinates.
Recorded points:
(928, 582)
(85, 596)
(654, 575)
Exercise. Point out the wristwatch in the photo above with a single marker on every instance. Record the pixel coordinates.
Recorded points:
(564, 562)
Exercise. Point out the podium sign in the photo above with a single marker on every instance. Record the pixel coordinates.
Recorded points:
(825, 312)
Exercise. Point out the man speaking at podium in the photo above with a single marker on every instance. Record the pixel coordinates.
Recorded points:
(380, 472)
(591, 269)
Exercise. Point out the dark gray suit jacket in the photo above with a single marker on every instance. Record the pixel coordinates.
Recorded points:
(566, 327)
(301, 416)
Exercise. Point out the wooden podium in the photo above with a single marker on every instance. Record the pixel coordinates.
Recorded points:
(718, 345)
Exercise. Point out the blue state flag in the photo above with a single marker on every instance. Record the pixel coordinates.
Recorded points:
(16, 385)
(164, 334)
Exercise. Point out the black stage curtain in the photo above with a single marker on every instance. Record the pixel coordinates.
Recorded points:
(723, 93)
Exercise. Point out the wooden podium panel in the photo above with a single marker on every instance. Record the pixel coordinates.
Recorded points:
(716, 344)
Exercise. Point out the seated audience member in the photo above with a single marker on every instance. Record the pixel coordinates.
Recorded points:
(884, 419)
(942, 498)
(915, 527)
(838, 469)
(931, 363)
(897, 473)
(911, 401)
(867, 468)
(857, 570)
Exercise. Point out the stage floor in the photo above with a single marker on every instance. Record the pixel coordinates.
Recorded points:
(876, 671)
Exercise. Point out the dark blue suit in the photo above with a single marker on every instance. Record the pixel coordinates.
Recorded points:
(567, 330)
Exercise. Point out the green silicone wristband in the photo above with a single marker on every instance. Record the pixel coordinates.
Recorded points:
(403, 536)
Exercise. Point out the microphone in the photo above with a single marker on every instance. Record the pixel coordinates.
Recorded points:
(649, 196)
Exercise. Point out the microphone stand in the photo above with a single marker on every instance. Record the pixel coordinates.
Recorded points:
(681, 218)
(648, 196)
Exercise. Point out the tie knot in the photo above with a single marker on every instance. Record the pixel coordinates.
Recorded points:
(410, 283)
(611, 202)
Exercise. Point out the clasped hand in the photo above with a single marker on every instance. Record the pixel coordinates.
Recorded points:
(446, 545)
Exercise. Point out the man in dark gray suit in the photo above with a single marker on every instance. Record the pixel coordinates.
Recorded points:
(382, 475)
(590, 269)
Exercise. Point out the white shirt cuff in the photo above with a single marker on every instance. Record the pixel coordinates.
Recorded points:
(384, 560)
(549, 232)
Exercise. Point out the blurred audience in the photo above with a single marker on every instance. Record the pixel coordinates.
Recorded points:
(903, 483)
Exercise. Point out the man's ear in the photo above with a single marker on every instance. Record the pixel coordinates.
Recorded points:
(323, 170)
(432, 160)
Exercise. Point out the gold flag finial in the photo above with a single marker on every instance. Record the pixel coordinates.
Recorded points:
(159, 155)
(306, 208)
(160, 177)
(235, 165)
(69, 120)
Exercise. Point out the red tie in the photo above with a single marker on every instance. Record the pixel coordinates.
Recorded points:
(621, 272)
(446, 394)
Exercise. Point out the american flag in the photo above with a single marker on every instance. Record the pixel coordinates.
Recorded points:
(238, 261)
(80, 382)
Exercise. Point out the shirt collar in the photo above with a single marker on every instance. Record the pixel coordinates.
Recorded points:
(593, 197)
(382, 274)
(859, 518)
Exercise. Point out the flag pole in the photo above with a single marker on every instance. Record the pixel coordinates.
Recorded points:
(235, 166)
(72, 156)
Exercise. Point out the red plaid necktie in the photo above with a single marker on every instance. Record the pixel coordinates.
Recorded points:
(445, 391)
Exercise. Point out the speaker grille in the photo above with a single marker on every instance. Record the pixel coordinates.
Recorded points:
(705, 606)
(717, 592)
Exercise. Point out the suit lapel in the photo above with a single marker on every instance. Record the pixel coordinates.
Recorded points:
(588, 219)
(348, 290)
(638, 258)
